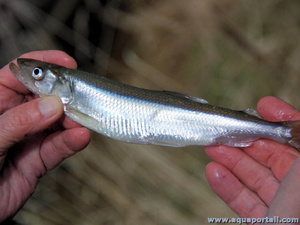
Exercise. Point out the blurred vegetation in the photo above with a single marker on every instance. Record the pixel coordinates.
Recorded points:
(231, 53)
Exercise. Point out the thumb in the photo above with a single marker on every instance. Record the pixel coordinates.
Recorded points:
(286, 202)
(26, 119)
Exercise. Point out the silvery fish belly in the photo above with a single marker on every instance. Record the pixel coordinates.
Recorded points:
(136, 115)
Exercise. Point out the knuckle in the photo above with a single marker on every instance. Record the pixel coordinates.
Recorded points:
(16, 123)
(20, 120)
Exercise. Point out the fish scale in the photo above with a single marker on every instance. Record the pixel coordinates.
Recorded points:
(143, 116)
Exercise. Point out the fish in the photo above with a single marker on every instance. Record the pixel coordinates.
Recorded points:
(142, 116)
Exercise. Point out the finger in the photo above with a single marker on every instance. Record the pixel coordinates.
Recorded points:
(287, 196)
(64, 123)
(26, 119)
(240, 199)
(255, 176)
(52, 56)
(68, 123)
(275, 109)
(9, 99)
(278, 157)
(23, 170)
(52, 151)
(62, 145)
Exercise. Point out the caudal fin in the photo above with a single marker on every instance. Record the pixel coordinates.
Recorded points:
(294, 141)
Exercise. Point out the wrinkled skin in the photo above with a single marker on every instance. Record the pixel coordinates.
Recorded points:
(263, 179)
(27, 149)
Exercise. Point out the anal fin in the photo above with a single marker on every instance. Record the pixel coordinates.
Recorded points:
(235, 142)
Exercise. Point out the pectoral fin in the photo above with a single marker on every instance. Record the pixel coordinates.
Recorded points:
(84, 119)
(235, 142)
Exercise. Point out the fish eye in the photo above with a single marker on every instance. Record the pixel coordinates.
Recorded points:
(37, 73)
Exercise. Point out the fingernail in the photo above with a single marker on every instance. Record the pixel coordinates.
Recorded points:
(50, 106)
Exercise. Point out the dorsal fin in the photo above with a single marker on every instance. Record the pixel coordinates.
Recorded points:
(252, 112)
(182, 95)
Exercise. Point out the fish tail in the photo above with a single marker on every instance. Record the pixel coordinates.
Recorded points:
(294, 140)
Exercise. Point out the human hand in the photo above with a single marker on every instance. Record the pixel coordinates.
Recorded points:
(262, 180)
(27, 151)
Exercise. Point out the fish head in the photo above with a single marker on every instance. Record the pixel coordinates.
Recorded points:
(43, 78)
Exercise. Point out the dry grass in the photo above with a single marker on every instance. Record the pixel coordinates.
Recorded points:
(231, 53)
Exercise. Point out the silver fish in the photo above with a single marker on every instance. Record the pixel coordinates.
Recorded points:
(137, 115)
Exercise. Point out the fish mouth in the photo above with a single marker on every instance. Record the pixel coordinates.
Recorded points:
(14, 68)
(18, 74)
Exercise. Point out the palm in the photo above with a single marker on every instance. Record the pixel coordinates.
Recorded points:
(248, 179)
(40, 151)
